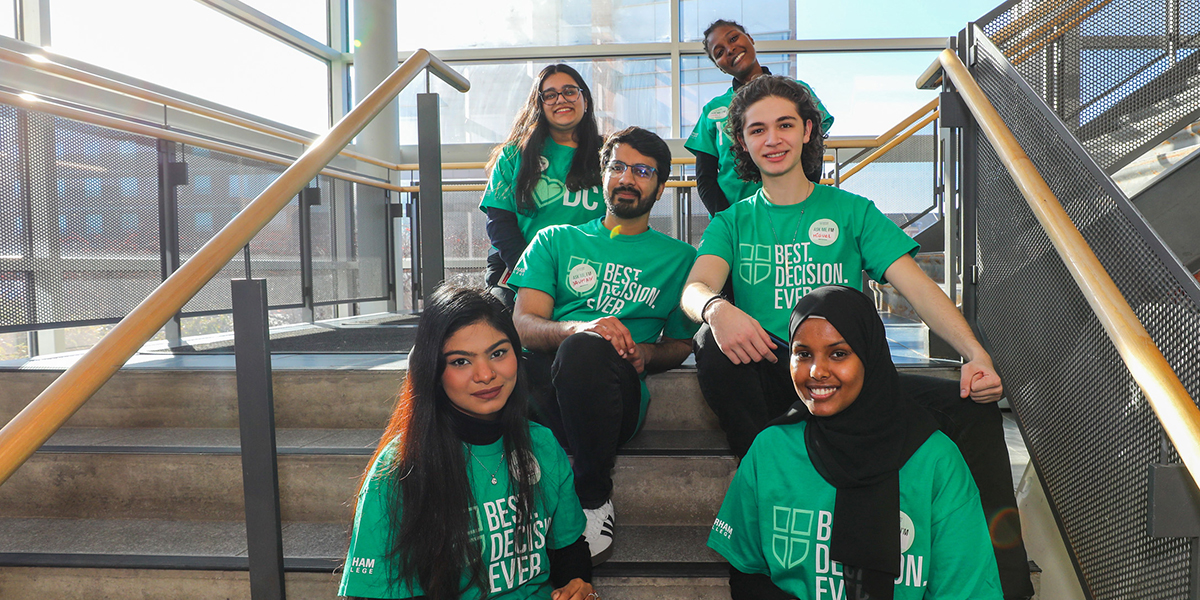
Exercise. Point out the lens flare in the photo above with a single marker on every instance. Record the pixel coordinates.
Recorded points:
(1005, 528)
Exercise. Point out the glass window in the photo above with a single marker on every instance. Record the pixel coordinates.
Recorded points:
(8, 15)
(765, 19)
(306, 16)
(186, 46)
(532, 23)
(626, 92)
(866, 92)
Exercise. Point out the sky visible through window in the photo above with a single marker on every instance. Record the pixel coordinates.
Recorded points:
(186, 46)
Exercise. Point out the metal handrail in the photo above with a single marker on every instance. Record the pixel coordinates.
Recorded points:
(27, 431)
(31, 102)
(1176, 411)
(43, 63)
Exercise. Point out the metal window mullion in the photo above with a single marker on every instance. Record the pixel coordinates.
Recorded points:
(33, 21)
(260, 21)
(676, 72)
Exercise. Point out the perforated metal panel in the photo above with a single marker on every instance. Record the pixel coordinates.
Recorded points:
(1121, 74)
(1089, 428)
(79, 220)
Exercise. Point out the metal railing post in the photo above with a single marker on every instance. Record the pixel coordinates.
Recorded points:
(309, 197)
(256, 419)
(967, 196)
(429, 156)
(171, 174)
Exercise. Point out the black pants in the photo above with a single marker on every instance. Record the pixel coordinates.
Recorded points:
(591, 399)
(745, 397)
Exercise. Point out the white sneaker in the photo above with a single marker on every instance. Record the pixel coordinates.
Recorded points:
(599, 531)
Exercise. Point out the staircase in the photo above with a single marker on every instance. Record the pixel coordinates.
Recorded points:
(141, 494)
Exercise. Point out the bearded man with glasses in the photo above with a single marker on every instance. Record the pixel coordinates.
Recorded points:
(597, 309)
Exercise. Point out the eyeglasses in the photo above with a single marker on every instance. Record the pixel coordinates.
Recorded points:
(641, 171)
(569, 92)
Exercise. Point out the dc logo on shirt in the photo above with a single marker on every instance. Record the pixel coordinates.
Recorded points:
(754, 263)
(790, 543)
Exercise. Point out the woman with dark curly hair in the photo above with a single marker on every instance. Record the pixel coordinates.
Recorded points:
(546, 173)
(795, 236)
(464, 498)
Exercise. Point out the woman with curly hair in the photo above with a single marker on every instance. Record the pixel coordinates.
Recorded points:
(465, 498)
(791, 238)
(546, 173)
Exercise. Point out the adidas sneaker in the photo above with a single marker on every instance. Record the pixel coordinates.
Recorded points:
(599, 532)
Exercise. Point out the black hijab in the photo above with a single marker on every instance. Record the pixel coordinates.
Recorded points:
(860, 450)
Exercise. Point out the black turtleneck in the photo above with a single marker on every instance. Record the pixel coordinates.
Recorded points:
(476, 431)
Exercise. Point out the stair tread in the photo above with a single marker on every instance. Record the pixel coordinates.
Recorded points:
(171, 440)
(23, 538)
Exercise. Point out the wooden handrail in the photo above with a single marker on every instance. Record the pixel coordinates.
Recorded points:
(42, 63)
(884, 149)
(1048, 28)
(32, 103)
(1175, 409)
(27, 431)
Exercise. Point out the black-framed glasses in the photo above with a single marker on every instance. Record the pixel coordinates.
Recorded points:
(569, 92)
(639, 170)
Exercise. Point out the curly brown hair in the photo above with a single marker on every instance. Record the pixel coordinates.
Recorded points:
(812, 156)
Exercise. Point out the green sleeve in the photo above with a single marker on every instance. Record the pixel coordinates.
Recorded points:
(717, 239)
(826, 118)
(538, 266)
(882, 242)
(567, 522)
(704, 135)
(735, 533)
(499, 192)
(367, 572)
(962, 563)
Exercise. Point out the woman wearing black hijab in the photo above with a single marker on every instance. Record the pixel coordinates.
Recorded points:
(853, 493)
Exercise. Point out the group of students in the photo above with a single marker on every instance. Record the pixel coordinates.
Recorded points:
(854, 481)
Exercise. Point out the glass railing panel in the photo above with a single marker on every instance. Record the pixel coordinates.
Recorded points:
(901, 182)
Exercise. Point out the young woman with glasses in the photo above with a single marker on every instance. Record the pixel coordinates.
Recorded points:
(546, 173)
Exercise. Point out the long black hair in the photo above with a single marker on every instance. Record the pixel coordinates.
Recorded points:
(433, 540)
(812, 156)
(529, 132)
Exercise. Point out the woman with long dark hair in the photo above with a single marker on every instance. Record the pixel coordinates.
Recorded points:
(464, 498)
(546, 173)
(853, 493)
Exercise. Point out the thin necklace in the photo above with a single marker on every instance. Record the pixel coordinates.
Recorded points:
(799, 222)
(481, 465)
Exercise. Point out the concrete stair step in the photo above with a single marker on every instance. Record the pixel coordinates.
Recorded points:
(335, 398)
(195, 474)
(42, 556)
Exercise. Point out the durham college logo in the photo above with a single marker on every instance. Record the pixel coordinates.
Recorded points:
(754, 262)
(792, 530)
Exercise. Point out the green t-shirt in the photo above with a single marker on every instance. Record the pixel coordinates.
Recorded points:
(710, 137)
(636, 278)
(555, 204)
(516, 568)
(777, 518)
(777, 254)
